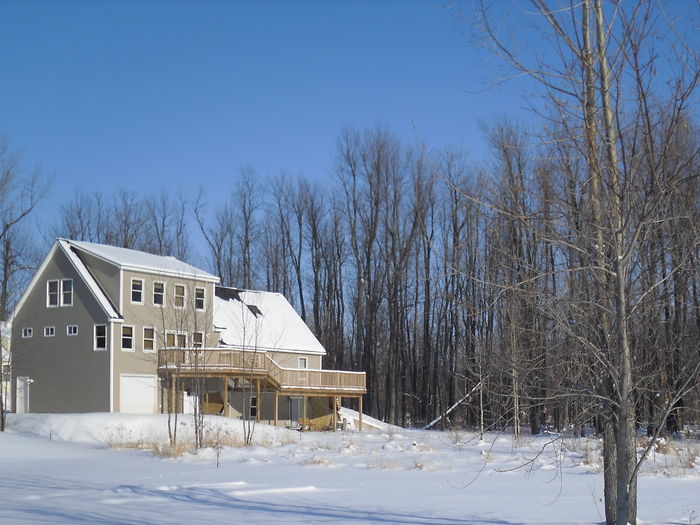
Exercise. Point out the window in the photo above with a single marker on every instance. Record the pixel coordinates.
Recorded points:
(253, 406)
(303, 362)
(49, 331)
(67, 292)
(27, 332)
(6, 370)
(254, 310)
(158, 294)
(52, 293)
(137, 291)
(149, 339)
(199, 298)
(100, 337)
(197, 339)
(179, 296)
(72, 329)
(127, 337)
(175, 340)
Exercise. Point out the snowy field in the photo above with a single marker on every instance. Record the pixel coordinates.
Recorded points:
(91, 468)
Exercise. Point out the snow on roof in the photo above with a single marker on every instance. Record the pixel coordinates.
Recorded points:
(90, 281)
(142, 261)
(261, 321)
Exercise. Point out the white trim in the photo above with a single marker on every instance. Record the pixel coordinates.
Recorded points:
(204, 298)
(49, 331)
(184, 296)
(196, 275)
(94, 337)
(305, 361)
(143, 340)
(121, 290)
(194, 343)
(176, 333)
(58, 293)
(28, 332)
(70, 280)
(111, 368)
(68, 327)
(121, 339)
(35, 279)
(131, 290)
(153, 294)
(88, 279)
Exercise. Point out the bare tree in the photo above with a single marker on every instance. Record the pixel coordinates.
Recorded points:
(600, 94)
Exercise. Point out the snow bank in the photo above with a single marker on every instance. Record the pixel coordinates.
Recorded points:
(368, 423)
(133, 430)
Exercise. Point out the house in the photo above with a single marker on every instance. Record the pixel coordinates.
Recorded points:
(108, 329)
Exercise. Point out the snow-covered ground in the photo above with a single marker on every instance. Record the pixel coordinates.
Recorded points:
(86, 468)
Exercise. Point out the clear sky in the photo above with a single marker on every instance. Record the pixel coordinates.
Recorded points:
(151, 94)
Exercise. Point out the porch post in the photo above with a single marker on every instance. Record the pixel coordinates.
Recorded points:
(223, 396)
(334, 414)
(258, 401)
(276, 407)
(360, 413)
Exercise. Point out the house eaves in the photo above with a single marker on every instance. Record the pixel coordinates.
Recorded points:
(137, 261)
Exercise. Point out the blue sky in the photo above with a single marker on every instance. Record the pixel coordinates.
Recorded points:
(149, 94)
(103, 94)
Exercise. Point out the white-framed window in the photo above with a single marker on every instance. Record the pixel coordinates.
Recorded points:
(158, 293)
(197, 339)
(175, 339)
(149, 339)
(199, 298)
(67, 292)
(127, 337)
(137, 291)
(100, 337)
(49, 331)
(52, 293)
(180, 291)
(72, 329)
(303, 362)
(27, 333)
(253, 406)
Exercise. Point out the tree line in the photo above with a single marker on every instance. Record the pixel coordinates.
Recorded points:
(555, 284)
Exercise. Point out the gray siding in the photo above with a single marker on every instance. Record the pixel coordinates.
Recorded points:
(69, 376)
(106, 274)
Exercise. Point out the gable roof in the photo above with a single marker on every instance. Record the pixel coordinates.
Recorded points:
(93, 286)
(256, 320)
(135, 260)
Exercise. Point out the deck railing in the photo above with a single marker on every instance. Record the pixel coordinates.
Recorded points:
(233, 362)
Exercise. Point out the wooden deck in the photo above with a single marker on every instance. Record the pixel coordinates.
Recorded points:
(225, 362)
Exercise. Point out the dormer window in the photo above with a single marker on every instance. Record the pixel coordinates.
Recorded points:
(137, 291)
(254, 310)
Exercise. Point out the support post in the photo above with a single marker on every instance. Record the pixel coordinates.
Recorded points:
(304, 409)
(258, 401)
(276, 407)
(360, 412)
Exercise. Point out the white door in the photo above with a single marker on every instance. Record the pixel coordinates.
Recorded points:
(23, 383)
(138, 393)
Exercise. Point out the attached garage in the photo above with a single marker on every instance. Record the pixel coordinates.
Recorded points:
(138, 393)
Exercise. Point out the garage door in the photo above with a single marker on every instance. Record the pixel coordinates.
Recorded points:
(137, 393)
